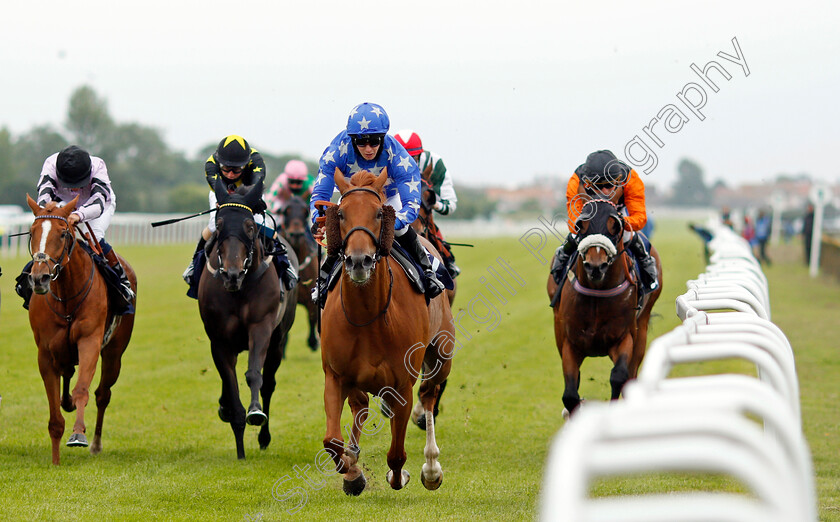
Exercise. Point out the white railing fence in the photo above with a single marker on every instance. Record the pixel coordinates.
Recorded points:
(125, 229)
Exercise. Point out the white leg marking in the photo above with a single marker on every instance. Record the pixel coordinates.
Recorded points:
(431, 469)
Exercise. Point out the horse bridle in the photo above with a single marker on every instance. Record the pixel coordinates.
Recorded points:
(251, 248)
(66, 251)
(58, 266)
(610, 292)
(377, 241)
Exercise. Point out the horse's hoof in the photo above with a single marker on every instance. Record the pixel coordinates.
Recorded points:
(224, 415)
(256, 418)
(431, 485)
(405, 478)
(77, 440)
(96, 447)
(264, 440)
(356, 486)
(565, 414)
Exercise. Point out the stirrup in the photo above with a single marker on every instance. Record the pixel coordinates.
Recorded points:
(188, 273)
(434, 287)
(291, 279)
(126, 292)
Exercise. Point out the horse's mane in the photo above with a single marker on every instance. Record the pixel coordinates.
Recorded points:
(50, 206)
(362, 178)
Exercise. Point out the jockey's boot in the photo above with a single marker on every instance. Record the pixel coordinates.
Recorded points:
(125, 286)
(410, 241)
(22, 286)
(646, 262)
(561, 257)
(188, 273)
(319, 291)
(287, 274)
(451, 267)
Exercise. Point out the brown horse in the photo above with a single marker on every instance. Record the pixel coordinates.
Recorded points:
(244, 309)
(72, 322)
(377, 333)
(295, 227)
(598, 314)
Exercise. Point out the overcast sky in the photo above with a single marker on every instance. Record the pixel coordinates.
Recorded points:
(504, 91)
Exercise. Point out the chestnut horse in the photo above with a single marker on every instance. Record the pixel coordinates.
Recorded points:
(598, 314)
(244, 308)
(377, 333)
(72, 323)
(295, 224)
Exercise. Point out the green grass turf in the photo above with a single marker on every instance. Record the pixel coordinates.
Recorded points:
(167, 456)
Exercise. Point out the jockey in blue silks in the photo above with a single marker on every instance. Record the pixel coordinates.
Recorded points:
(366, 145)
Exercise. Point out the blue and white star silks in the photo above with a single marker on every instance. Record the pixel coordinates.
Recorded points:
(405, 162)
(403, 176)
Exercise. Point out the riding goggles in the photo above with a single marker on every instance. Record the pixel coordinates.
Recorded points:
(373, 140)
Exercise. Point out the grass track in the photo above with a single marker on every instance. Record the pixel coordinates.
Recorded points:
(167, 456)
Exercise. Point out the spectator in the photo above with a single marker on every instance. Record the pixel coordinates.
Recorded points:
(763, 226)
(808, 232)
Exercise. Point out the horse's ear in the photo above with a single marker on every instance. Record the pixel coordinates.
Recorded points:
(32, 204)
(381, 179)
(340, 181)
(70, 207)
(254, 197)
(220, 190)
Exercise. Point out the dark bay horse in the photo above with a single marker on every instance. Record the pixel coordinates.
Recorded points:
(244, 309)
(598, 314)
(72, 322)
(377, 333)
(295, 224)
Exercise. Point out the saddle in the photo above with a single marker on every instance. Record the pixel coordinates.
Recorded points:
(112, 281)
(410, 267)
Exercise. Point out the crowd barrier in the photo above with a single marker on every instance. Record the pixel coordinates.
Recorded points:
(740, 426)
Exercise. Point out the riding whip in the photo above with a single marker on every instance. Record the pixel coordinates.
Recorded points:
(175, 220)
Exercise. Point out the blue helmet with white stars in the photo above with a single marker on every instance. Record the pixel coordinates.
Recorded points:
(368, 118)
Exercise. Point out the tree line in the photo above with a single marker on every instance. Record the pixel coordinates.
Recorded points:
(146, 173)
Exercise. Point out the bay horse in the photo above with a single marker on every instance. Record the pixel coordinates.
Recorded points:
(295, 225)
(377, 333)
(73, 323)
(243, 307)
(599, 314)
